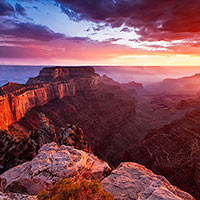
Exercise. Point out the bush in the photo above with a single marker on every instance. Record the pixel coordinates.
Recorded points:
(17, 133)
(69, 190)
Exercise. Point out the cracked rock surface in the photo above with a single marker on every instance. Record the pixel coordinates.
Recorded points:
(131, 181)
(52, 164)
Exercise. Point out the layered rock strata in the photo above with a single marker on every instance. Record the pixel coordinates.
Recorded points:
(52, 83)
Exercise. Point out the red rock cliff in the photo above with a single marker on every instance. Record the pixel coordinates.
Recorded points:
(52, 83)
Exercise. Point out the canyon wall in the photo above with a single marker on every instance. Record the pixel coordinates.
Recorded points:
(173, 151)
(52, 83)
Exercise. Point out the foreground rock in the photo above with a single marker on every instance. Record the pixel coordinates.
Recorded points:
(16, 196)
(132, 181)
(52, 164)
(18, 147)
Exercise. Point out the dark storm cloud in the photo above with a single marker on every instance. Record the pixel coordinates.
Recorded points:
(153, 19)
(6, 9)
(27, 31)
(20, 9)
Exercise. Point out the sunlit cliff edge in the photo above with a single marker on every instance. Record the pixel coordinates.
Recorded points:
(16, 99)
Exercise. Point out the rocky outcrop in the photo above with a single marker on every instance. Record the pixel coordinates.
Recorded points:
(52, 164)
(55, 74)
(105, 113)
(173, 151)
(45, 132)
(20, 147)
(106, 116)
(16, 196)
(132, 181)
(52, 83)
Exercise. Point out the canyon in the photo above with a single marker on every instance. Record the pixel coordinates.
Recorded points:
(117, 120)
(172, 151)
(79, 98)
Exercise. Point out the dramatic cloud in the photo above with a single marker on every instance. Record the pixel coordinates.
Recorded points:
(152, 19)
(27, 31)
(113, 31)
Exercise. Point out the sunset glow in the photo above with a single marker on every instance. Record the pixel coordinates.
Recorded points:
(107, 32)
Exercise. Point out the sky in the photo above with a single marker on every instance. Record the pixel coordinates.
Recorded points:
(100, 32)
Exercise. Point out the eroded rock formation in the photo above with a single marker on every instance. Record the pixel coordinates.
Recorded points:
(52, 164)
(18, 147)
(104, 112)
(132, 181)
(52, 83)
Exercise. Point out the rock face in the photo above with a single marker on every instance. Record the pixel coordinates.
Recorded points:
(52, 83)
(173, 151)
(52, 164)
(132, 181)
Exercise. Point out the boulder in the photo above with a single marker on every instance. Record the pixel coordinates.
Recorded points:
(52, 164)
(133, 181)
